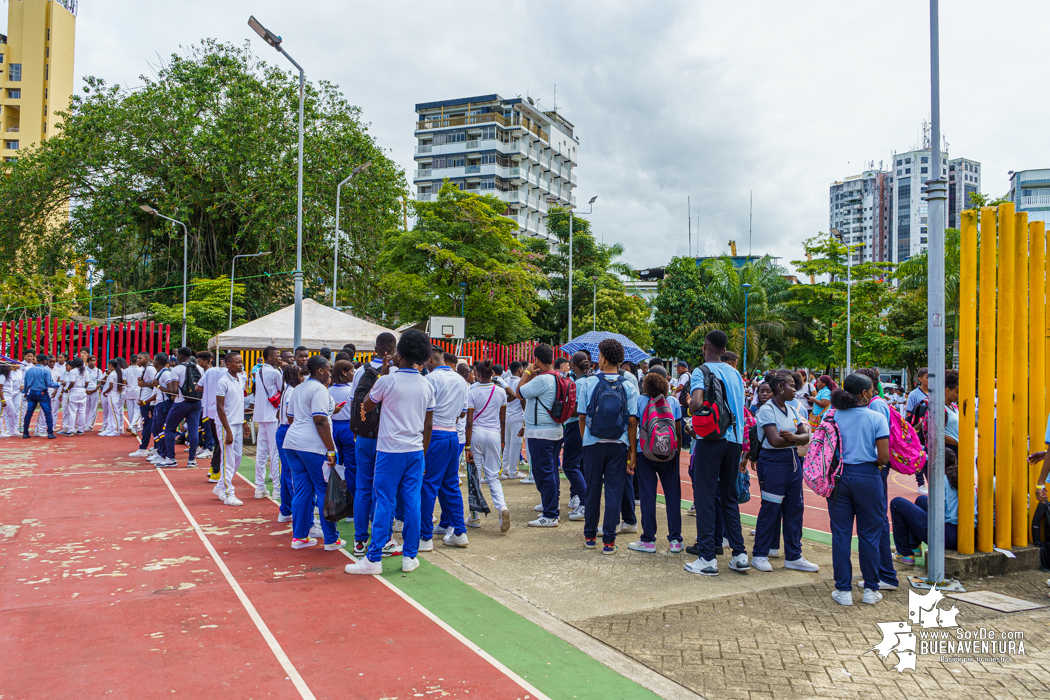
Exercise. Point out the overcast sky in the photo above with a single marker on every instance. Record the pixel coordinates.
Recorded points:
(670, 99)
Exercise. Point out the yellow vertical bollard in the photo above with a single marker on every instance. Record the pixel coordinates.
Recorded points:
(967, 376)
(986, 383)
(1036, 346)
(1004, 476)
(1019, 434)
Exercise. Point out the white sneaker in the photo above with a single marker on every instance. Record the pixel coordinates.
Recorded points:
(191, 464)
(871, 597)
(276, 493)
(338, 544)
(538, 508)
(139, 453)
(260, 492)
(725, 543)
(739, 563)
(753, 531)
(364, 566)
(574, 503)
(455, 540)
(924, 489)
(409, 564)
(204, 454)
(473, 522)
(154, 458)
(316, 531)
(543, 522)
(233, 501)
(284, 518)
(799, 564)
(392, 549)
(774, 554)
(504, 520)
(761, 564)
(842, 597)
(706, 567)
(167, 464)
(426, 545)
(151, 451)
(578, 514)
(527, 480)
(623, 528)
(219, 492)
(399, 526)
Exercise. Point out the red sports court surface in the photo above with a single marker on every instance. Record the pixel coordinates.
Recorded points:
(108, 588)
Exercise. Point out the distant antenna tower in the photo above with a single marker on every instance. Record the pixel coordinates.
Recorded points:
(689, 214)
(750, 218)
(555, 97)
(925, 134)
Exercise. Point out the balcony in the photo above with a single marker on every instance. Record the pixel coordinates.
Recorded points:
(515, 174)
(472, 145)
(512, 197)
(441, 123)
(572, 178)
(424, 172)
(1042, 200)
(424, 196)
(426, 148)
(472, 169)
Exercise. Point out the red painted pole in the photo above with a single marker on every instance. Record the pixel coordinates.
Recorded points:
(167, 339)
(151, 353)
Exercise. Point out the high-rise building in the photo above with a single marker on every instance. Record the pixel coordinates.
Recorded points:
(910, 222)
(861, 210)
(1030, 192)
(36, 71)
(510, 148)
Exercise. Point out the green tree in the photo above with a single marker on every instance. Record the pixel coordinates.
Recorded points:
(211, 140)
(207, 310)
(461, 238)
(36, 294)
(626, 314)
(681, 306)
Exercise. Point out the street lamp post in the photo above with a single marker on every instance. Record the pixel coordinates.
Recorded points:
(554, 200)
(849, 301)
(335, 265)
(233, 267)
(463, 299)
(297, 323)
(91, 299)
(594, 312)
(185, 259)
(747, 290)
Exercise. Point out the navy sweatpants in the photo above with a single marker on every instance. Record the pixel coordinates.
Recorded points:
(667, 472)
(605, 464)
(715, 469)
(572, 459)
(857, 496)
(780, 483)
(911, 523)
(396, 473)
(287, 484)
(343, 438)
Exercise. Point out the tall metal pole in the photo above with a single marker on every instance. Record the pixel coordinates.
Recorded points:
(297, 323)
(91, 302)
(747, 290)
(594, 311)
(936, 196)
(335, 265)
(233, 268)
(185, 273)
(570, 276)
(849, 310)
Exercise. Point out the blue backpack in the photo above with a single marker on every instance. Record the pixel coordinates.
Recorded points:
(607, 411)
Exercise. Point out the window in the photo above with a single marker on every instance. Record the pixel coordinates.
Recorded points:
(1, 58)
(14, 72)
(14, 94)
(11, 145)
(925, 170)
(900, 162)
(907, 170)
(49, 34)
(47, 52)
(907, 160)
(925, 159)
(1026, 193)
(899, 171)
(10, 160)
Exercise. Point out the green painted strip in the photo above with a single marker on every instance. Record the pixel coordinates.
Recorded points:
(549, 663)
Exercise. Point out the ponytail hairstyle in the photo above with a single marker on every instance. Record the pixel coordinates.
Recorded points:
(342, 372)
(77, 363)
(829, 382)
(849, 396)
(484, 370)
(292, 376)
(115, 364)
(951, 469)
(5, 370)
(654, 384)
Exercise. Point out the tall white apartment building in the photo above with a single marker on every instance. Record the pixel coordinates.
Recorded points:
(1030, 192)
(860, 209)
(510, 148)
(910, 220)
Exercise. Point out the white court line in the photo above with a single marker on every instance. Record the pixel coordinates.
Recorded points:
(271, 641)
(443, 625)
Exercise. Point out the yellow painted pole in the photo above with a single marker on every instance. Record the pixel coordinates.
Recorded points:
(1004, 476)
(967, 376)
(1019, 434)
(1036, 347)
(986, 383)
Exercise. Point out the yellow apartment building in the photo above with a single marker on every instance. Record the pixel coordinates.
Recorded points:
(36, 71)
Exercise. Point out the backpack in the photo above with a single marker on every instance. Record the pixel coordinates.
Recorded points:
(607, 411)
(683, 395)
(1041, 534)
(369, 427)
(823, 463)
(564, 402)
(714, 418)
(659, 439)
(189, 388)
(906, 453)
(752, 440)
(917, 419)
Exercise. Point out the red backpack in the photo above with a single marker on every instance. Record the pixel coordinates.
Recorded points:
(564, 402)
(659, 436)
(907, 455)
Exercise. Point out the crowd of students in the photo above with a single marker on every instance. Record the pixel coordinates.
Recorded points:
(399, 428)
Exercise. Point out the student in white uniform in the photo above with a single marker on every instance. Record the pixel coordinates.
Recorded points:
(11, 393)
(60, 396)
(76, 386)
(94, 393)
(112, 396)
(268, 381)
(131, 393)
(229, 407)
(486, 423)
(512, 432)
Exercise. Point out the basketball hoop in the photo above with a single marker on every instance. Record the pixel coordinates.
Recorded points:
(448, 336)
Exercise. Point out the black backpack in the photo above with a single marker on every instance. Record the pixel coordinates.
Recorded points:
(754, 450)
(1041, 534)
(369, 427)
(189, 388)
(714, 418)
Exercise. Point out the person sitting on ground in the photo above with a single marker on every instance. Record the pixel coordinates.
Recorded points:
(911, 520)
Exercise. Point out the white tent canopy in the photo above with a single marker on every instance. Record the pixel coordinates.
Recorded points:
(323, 326)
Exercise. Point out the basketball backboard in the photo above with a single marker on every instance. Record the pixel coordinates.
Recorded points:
(446, 327)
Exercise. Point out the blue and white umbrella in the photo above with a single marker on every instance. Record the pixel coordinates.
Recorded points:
(589, 342)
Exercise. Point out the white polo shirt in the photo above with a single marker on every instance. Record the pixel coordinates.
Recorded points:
(131, 378)
(486, 400)
(268, 381)
(311, 398)
(207, 384)
(231, 388)
(407, 397)
(450, 390)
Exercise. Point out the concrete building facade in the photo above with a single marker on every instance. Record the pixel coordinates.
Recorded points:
(1030, 192)
(36, 71)
(861, 208)
(510, 148)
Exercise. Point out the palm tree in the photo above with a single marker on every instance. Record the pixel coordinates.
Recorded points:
(913, 274)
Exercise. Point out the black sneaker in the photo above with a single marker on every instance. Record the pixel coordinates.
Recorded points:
(693, 549)
(50, 436)
(26, 436)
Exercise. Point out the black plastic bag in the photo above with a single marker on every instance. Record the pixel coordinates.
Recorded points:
(337, 503)
(475, 499)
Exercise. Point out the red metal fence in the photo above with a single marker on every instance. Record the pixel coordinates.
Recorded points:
(51, 336)
(481, 350)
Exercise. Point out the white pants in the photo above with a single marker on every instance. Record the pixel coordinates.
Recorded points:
(76, 405)
(512, 451)
(91, 412)
(134, 414)
(12, 413)
(484, 445)
(112, 413)
(266, 451)
(231, 455)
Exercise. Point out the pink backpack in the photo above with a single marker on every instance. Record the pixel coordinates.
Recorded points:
(659, 438)
(907, 455)
(823, 463)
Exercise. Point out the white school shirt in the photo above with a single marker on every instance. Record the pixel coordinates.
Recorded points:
(514, 410)
(341, 393)
(311, 398)
(131, 378)
(77, 380)
(486, 400)
(13, 383)
(268, 382)
(94, 377)
(59, 376)
(286, 403)
(147, 393)
(179, 375)
(163, 376)
(461, 422)
(111, 381)
(406, 396)
(209, 379)
(450, 391)
(231, 388)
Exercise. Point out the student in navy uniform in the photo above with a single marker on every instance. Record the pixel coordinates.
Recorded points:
(147, 408)
(887, 573)
(441, 470)
(911, 520)
(715, 464)
(572, 450)
(36, 386)
(292, 379)
(404, 435)
(654, 385)
(608, 460)
(342, 376)
(183, 407)
(858, 494)
(539, 390)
